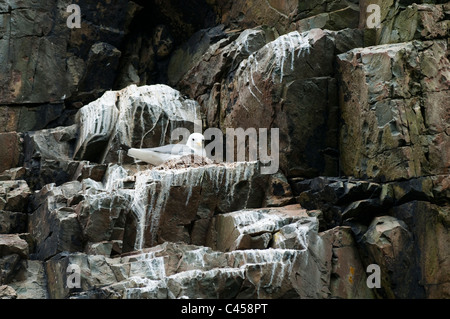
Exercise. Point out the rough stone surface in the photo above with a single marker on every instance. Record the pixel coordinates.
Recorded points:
(30, 281)
(429, 224)
(10, 265)
(197, 74)
(135, 116)
(269, 80)
(348, 276)
(14, 195)
(330, 15)
(36, 39)
(242, 229)
(10, 156)
(279, 192)
(389, 242)
(13, 244)
(367, 105)
(190, 53)
(152, 274)
(7, 292)
(53, 225)
(12, 222)
(17, 173)
(30, 118)
(423, 20)
(198, 192)
(185, 271)
(249, 14)
(390, 128)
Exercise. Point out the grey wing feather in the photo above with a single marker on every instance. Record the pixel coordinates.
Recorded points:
(175, 149)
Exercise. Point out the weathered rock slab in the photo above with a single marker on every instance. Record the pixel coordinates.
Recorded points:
(13, 244)
(390, 125)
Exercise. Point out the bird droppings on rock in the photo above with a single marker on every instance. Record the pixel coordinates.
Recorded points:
(187, 161)
(358, 209)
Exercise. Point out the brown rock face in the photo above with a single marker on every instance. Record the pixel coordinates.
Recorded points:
(348, 276)
(10, 156)
(416, 21)
(429, 225)
(178, 205)
(45, 61)
(255, 79)
(14, 195)
(391, 96)
(13, 244)
(358, 206)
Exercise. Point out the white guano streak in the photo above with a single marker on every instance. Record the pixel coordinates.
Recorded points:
(281, 50)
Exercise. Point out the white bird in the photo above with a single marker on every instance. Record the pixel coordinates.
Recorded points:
(159, 155)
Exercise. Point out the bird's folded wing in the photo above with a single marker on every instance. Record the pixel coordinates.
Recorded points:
(175, 149)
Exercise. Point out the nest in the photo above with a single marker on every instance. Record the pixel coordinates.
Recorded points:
(185, 162)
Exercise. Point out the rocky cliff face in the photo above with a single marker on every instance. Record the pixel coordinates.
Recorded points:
(364, 148)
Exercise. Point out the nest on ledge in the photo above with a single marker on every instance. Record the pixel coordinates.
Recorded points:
(185, 162)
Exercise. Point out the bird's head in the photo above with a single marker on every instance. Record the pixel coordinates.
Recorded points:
(196, 141)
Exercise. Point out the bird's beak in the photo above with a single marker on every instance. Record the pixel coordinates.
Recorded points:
(200, 144)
